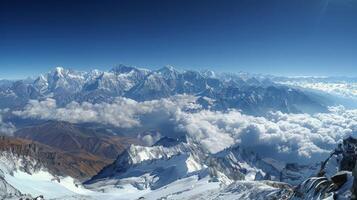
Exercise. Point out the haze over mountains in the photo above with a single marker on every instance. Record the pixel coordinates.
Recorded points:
(133, 133)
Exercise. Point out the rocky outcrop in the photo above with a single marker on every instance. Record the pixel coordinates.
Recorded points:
(337, 176)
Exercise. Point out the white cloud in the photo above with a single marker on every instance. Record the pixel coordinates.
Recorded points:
(291, 137)
(6, 128)
(149, 138)
(123, 112)
(285, 136)
(344, 89)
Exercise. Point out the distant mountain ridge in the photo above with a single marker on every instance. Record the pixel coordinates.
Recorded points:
(252, 94)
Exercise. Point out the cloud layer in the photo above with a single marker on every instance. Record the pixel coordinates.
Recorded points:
(6, 128)
(122, 113)
(291, 137)
(284, 136)
(344, 89)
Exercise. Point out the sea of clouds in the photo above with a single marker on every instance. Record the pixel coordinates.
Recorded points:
(287, 137)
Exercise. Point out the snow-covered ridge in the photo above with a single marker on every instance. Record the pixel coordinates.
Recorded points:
(147, 167)
(139, 158)
(240, 173)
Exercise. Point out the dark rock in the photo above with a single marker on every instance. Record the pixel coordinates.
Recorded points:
(354, 186)
(339, 179)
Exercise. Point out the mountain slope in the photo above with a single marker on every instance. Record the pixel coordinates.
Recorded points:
(150, 167)
(76, 139)
(56, 161)
(30, 169)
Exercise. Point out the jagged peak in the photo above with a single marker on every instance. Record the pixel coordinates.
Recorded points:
(59, 70)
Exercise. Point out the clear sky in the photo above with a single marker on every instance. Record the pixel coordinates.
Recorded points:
(286, 37)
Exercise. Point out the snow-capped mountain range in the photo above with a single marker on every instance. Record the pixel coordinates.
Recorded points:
(253, 94)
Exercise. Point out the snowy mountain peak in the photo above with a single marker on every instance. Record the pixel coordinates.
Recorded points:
(59, 71)
(168, 71)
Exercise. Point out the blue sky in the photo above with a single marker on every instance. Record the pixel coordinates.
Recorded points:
(286, 37)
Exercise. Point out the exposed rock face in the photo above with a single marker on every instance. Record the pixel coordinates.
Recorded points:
(76, 139)
(57, 162)
(349, 154)
(354, 187)
(339, 179)
(324, 188)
